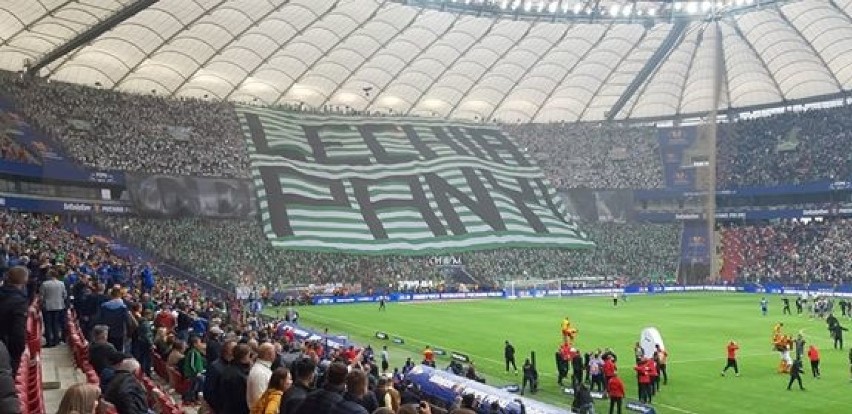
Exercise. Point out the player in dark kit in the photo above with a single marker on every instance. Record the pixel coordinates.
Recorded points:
(799, 305)
(509, 356)
(382, 304)
(530, 376)
(786, 310)
(796, 374)
(837, 334)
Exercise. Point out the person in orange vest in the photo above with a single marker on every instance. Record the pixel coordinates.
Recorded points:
(813, 356)
(662, 363)
(429, 357)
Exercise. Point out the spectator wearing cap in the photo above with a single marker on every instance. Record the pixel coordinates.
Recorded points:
(304, 371)
(13, 313)
(124, 390)
(53, 296)
(115, 315)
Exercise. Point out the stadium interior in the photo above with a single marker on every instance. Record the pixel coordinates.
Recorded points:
(226, 161)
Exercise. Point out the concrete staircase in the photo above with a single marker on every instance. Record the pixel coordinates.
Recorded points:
(59, 373)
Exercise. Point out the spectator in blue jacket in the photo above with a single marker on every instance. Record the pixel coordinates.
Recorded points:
(115, 315)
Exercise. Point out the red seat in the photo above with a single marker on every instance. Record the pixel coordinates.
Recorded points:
(178, 382)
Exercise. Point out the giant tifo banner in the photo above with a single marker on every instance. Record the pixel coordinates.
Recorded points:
(398, 185)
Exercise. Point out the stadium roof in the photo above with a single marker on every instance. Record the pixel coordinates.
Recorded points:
(381, 55)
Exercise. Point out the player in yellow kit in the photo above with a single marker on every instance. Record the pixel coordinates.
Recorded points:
(568, 331)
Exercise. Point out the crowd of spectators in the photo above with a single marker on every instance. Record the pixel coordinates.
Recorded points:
(628, 251)
(789, 251)
(236, 251)
(110, 130)
(786, 148)
(593, 156)
(238, 363)
(221, 249)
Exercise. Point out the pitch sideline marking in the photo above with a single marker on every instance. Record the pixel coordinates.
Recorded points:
(671, 407)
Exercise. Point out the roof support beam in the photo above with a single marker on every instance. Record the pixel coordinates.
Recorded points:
(723, 69)
(90, 34)
(24, 28)
(612, 72)
(651, 66)
(698, 42)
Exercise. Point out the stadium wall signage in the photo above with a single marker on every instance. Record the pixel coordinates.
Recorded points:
(445, 386)
(41, 205)
(457, 356)
(166, 196)
(398, 185)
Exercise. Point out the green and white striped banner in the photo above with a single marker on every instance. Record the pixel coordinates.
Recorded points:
(398, 186)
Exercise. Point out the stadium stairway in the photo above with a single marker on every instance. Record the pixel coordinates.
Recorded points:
(59, 373)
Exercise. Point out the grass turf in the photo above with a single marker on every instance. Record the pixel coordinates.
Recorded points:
(695, 328)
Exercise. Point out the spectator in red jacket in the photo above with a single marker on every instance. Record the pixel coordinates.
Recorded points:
(609, 368)
(644, 372)
(813, 355)
(655, 375)
(165, 319)
(615, 389)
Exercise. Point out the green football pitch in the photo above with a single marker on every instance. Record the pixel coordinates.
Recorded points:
(695, 328)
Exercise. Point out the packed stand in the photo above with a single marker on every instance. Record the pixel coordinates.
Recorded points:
(787, 148)
(788, 252)
(228, 361)
(593, 156)
(112, 130)
(35, 253)
(230, 252)
(220, 249)
(623, 251)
